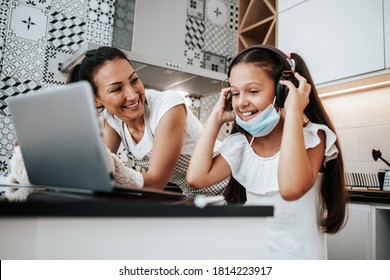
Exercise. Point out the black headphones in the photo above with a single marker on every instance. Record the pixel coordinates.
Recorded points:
(281, 91)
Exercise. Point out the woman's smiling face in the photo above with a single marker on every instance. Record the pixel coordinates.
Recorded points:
(252, 90)
(120, 90)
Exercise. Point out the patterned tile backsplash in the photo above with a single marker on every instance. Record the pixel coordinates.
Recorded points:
(36, 36)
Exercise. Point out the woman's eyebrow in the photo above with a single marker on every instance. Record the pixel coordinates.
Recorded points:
(113, 84)
(132, 74)
(118, 83)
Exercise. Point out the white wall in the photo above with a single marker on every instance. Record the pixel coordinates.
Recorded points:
(362, 121)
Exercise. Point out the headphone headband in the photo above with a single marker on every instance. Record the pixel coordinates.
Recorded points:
(281, 54)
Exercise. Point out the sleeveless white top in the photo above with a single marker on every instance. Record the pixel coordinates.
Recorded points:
(294, 232)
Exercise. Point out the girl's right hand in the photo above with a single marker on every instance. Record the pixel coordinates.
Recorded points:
(220, 112)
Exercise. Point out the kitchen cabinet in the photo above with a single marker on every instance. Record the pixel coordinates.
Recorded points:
(338, 39)
(386, 9)
(257, 23)
(287, 4)
(160, 28)
(365, 236)
(124, 227)
(354, 241)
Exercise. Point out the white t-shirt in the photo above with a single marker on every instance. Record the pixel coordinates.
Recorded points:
(157, 104)
(294, 231)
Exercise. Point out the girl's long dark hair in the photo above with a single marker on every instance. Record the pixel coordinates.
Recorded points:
(333, 192)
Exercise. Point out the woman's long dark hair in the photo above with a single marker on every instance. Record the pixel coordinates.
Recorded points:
(333, 192)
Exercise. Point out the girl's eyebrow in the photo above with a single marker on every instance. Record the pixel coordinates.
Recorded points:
(118, 83)
(248, 84)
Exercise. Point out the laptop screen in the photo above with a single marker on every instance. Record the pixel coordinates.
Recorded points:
(60, 138)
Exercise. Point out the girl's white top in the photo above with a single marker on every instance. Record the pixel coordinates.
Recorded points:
(294, 231)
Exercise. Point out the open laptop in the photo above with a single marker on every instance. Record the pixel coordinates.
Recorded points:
(61, 140)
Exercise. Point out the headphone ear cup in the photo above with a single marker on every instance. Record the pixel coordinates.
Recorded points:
(281, 92)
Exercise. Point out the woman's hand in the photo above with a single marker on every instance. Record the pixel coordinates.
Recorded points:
(220, 112)
(297, 97)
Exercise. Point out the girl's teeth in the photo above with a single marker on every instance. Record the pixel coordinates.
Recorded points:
(246, 114)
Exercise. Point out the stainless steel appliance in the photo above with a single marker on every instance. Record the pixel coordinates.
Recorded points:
(159, 74)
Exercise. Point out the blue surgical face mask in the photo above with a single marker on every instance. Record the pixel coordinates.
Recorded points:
(263, 123)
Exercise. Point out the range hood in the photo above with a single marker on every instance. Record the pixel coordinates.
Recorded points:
(159, 74)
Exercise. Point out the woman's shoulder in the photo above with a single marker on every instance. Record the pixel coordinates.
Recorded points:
(111, 119)
(159, 103)
(162, 100)
(156, 96)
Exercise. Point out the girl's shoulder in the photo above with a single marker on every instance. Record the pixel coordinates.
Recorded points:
(312, 139)
(311, 134)
(233, 143)
(237, 138)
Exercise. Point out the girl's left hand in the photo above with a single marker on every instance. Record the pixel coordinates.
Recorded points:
(219, 111)
(297, 97)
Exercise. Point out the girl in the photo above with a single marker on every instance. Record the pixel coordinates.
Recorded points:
(284, 154)
(157, 129)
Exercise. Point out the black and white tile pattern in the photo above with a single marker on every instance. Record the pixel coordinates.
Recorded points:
(77, 8)
(193, 103)
(211, 33)
(215, 62)
(7, 136)
(4, 10)
(52, 70)
(196, 8)
(123, 24)
(23, 59)
(65, 32)
(27, 22)
(99, 33)
(102, 11)
(43, 4)
(12, 86)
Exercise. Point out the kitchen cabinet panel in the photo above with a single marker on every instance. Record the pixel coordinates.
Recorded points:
(365, 236)
(287, 4)
(382, 233)
(353, 242)
(338, 39)
(386, 9)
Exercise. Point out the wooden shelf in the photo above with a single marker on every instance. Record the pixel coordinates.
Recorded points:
(256, 23)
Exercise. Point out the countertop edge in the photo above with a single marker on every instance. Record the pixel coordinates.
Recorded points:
(122, 209)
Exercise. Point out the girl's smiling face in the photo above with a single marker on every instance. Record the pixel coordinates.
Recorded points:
(252, 90)
(120, 90)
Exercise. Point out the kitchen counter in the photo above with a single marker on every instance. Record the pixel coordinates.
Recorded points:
(112, 226)
(369, 195)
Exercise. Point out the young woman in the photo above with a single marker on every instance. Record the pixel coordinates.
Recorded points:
(285, 152)
(157, 129)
